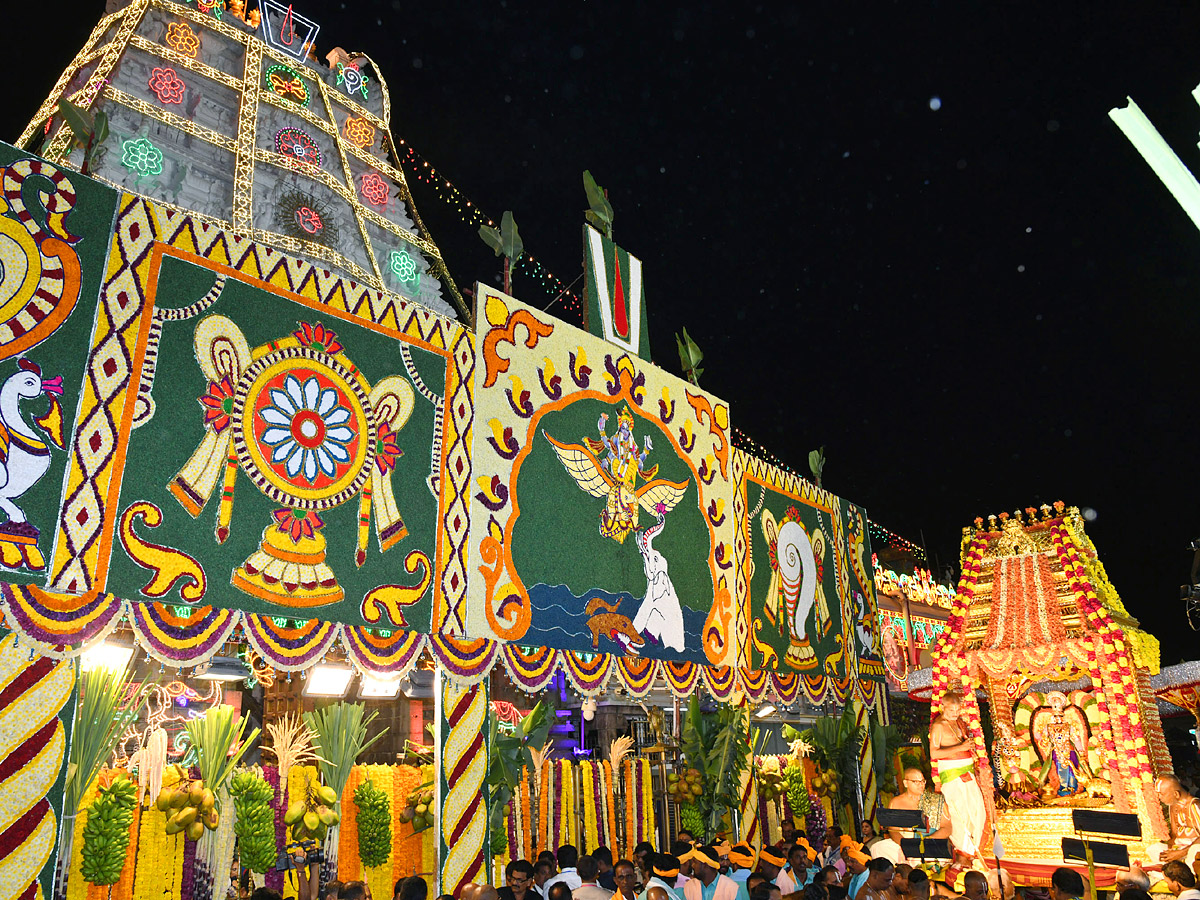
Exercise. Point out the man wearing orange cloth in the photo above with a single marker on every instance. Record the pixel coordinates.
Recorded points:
(1183, 823)
(954, 768)
(707, 882)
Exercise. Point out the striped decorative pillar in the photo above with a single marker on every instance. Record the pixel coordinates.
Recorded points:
(32, 745)
(866, 761)
(750, 831)
(462, 768)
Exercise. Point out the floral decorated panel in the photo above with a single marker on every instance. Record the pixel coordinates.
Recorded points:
(601, 512)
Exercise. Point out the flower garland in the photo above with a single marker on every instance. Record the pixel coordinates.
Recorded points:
(610, 807)
(77, 888)
(406, 843)
(591, 797)
(223, 844)
(187, 880)
(274, 878)
(526, 796)
(518, 822)
(349, 863)
(379, 878)
(159, 855)
(570, 826)
(545, 808)
(639, 802)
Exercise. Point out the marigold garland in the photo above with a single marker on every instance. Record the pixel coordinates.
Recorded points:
(610, 801)
(159, 855)
(526, 796)
(349, 864)
(406, 843)
(591, 830)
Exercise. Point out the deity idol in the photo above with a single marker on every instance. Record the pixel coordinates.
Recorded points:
(1061, 738)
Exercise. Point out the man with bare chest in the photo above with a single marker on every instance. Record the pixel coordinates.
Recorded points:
(932, 807)
(954, 768)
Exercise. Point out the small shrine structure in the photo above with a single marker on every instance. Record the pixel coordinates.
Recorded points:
(1038, 634)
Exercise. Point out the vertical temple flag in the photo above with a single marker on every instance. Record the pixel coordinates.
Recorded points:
(615, 298)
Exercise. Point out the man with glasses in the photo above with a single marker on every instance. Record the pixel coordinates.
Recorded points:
(626, 878)
(518, 877)
(915, 796)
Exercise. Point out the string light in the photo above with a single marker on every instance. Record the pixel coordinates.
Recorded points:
(743, 441)
(881, 535)
(528, 265)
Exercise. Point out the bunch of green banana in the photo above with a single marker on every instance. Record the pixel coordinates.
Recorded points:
(106, 833)
(419, 810)
(255, 822)
(690, 819)
(190, 808)
(374, 824)
(313, 816)
(797, 790)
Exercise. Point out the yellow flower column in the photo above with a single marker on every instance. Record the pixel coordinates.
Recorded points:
(462, 768)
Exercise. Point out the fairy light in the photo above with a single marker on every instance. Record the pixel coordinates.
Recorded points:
(470, 214)
(881, 535)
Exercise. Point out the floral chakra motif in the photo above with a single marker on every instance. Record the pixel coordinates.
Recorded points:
(167, 85)
(141, 156)
(359, 131)
(306, 428)
(374, 189)
(404, 268)
(182, 39)
(299, 145)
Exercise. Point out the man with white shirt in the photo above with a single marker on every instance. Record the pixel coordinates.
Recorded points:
(1179, 880)
(568, 858)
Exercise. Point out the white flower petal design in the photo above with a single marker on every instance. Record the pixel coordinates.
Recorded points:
(291, 433)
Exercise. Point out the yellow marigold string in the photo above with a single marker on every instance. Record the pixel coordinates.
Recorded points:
(299, 778)
(545, 832)
(526, 816)
(429, 841)
(349, 863)
(123, 889)
(406, 843)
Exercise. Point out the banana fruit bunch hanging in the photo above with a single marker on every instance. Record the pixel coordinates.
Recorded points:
(374, 824)
(190, 807)
(313, 816)
(255, 822)
(106, 833)
(690, 819)
(419, 810)
(797, 790)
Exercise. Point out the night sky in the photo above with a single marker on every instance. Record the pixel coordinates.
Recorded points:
(979, 307)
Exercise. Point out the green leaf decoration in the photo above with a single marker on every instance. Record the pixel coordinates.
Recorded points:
(101, 716)
(507, 240)
(816, 463)
(690, 356)
(341, 737)
(101, 127)
(600, 213)
(79, 121)
(219, 745)
(491, 237)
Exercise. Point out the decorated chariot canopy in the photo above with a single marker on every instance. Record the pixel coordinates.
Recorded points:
(1038, 631)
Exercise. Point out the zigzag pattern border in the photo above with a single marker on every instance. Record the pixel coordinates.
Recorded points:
(79, 561)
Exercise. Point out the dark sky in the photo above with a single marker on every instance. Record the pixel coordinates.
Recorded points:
(977, 308)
